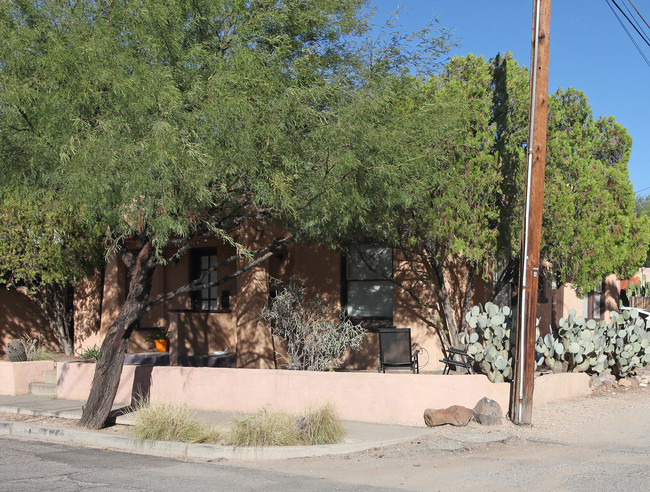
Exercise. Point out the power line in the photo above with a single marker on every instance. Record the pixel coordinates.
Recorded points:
(645, 58)
(639, 13)
(643, 36)
(635, 22)
(637, 192)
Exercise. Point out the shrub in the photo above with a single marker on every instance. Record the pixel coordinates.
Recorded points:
(314, 342)
(170, 422)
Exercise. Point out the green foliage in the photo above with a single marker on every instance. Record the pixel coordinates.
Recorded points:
(463, 213)
(90, 353)
(619, 346)
(490, 343)
(321, 425)
(42, 242)
(313, 341)
(590, 229)
(163, 122)
(167, 119)
(170, 422)
(162, 334)
(642, 209)
(45, 249)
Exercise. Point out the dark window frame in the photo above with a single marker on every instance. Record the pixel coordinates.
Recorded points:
(595, 298)
(198, 296)
(371, 322)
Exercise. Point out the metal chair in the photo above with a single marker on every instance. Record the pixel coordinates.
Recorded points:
(458, 358)
(395, 350)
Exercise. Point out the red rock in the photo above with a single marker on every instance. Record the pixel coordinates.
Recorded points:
(454, 415)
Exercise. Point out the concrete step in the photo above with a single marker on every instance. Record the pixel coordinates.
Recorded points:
(49, 376)
(42, 389)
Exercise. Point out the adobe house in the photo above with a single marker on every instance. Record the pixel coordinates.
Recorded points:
(226, 317)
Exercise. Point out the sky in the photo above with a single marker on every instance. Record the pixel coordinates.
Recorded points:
(589, 50)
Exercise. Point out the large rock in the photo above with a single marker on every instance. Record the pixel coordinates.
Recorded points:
(488, 412)
(454, 415)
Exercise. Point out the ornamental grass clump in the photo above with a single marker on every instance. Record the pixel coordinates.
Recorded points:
(168, 421)
(321, 425)
(264, 428)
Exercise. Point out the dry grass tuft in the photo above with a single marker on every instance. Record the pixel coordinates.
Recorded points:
(170, 422)
(321, 425)
(265, 428)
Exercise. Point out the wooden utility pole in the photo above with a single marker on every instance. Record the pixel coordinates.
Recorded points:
(521, 394)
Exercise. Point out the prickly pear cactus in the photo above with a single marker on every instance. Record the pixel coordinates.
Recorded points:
(16, 351)
(489, 343)
(596, 346)
(627, 342)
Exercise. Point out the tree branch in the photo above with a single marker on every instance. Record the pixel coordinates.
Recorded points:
(199, 283)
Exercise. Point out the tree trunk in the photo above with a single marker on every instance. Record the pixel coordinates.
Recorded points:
(111, 356)
(445, 302)
(61, 307)
(56, 302)
(469, 291)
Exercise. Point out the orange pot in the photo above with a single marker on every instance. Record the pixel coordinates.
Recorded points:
(161, 345)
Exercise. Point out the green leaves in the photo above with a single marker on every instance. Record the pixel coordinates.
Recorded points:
(589, 230)
(41, 243)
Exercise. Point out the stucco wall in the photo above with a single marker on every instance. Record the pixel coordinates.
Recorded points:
(16, 376)
(74, 380)
(21, 316)
(368, 397)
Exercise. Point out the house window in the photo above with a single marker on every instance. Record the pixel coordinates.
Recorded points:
(368, 290)
(592, 303)
(204, 260)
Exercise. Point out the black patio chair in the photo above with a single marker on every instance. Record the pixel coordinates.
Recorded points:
(395, 350)
(458, 359)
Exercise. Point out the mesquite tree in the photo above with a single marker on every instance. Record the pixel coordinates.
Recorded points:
(168, 122)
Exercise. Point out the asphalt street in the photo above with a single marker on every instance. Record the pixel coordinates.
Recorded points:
(27, 465)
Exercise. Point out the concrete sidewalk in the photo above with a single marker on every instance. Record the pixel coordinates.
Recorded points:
(360, 436)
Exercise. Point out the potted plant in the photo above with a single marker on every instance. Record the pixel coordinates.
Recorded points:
(160, 338)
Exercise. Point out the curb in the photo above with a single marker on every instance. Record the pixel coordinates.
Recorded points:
(171, 449)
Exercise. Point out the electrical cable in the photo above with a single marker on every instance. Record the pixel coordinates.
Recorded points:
(645, 58)
(422, 349)
(638, 13)
(638, 25)
(643, 36)
(637, 192)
